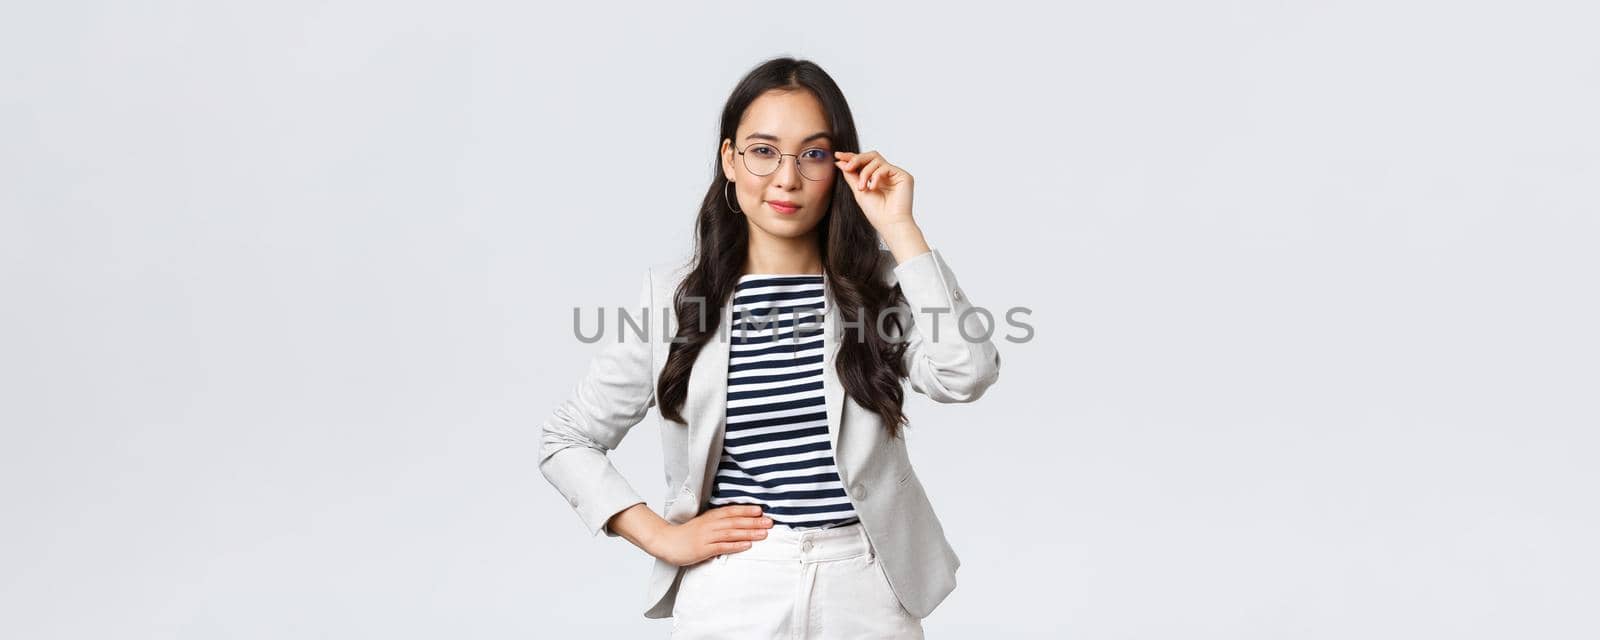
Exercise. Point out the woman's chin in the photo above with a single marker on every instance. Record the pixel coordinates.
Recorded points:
(788, 226)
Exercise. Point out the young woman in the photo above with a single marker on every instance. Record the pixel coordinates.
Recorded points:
(778, 369)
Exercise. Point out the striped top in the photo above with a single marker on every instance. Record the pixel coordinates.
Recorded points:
(776, 451)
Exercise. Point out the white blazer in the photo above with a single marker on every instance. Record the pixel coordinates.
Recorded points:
(619, 390)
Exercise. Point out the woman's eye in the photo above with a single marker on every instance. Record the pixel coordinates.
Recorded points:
(815, 154)
(764, 151)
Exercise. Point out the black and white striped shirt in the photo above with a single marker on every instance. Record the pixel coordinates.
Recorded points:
(776, 451)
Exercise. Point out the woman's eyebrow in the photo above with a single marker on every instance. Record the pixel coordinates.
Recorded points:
(768, 136)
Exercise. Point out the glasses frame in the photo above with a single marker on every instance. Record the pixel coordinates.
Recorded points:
(781, 155)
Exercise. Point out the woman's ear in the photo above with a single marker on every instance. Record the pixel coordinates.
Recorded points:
(727, 159)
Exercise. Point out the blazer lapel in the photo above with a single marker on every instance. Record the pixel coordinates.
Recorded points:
(705, 408)
(832, 391)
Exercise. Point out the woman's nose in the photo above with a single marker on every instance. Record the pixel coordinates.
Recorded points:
(787, 177)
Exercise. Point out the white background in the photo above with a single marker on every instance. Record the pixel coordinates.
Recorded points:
(287, 294)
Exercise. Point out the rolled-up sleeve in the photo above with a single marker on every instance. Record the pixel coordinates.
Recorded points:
(614, 395)
(950, 355)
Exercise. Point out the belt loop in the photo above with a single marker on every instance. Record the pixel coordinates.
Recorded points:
(861, 530)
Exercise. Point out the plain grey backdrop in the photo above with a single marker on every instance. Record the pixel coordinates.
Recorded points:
(287, 294)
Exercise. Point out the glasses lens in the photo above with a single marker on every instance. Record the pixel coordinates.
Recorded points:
(761, 159)
(816, 164)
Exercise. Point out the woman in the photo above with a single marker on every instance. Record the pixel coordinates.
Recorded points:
(792, 508)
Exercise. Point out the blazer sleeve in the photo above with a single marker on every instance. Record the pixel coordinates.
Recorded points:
(950, 356)
(614, 395)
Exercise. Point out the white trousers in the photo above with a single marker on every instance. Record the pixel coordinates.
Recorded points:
(795, 584)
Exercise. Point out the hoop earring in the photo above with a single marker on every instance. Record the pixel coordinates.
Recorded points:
(731, 206)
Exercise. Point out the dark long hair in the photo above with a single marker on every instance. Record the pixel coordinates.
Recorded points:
(870, 366)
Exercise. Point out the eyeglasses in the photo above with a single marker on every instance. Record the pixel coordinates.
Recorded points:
(762, 159)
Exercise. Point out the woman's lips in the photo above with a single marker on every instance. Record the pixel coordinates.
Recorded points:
(785, 208)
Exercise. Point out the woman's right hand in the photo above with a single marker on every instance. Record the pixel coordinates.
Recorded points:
(725, 529)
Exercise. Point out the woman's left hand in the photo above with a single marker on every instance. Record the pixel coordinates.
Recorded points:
(882, 189)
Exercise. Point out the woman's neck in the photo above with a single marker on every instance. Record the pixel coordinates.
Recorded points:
(788, 256)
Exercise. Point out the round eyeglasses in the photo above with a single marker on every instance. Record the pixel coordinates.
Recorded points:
(762, 159)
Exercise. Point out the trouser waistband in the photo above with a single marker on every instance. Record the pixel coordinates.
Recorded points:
(809, 545)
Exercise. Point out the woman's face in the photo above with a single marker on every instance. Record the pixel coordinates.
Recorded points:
(786, 202)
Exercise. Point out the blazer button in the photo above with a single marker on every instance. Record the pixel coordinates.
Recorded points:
(574, 501)
(957, 294)
(861, 491)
